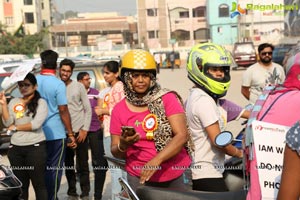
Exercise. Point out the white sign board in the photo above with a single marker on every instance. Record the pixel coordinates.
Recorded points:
(269, 143)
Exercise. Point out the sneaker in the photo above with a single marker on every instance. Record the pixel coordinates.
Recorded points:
(72, 198)
(72, 194)
(84, 196)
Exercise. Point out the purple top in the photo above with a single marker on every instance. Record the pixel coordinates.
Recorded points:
(233, 110)
(93, 97)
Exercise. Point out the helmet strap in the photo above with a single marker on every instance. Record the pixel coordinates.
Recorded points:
(211, 94)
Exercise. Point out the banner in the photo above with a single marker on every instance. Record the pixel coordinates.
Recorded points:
(269, 144)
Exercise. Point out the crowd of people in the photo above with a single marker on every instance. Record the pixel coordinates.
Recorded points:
(160, 137)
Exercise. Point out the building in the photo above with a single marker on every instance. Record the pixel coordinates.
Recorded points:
(263, 21)
(223, 27)
(169, 23)
(29, 15)
(95, 29)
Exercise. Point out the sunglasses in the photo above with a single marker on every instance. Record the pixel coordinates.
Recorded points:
(265, 53)
(23, 85)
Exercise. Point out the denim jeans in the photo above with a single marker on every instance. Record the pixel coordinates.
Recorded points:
(99, 163)
(29, 164)
(82, 168)
(114, 171)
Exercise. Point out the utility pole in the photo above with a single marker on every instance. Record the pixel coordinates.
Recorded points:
(65, 29)
(169, 16)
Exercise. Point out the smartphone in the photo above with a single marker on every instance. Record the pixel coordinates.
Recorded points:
(128, 131)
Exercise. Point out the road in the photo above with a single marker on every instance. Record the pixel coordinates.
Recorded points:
(175, 80)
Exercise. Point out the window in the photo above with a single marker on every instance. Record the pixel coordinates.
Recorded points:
(201, 34)
(181, 35)
(29, 18)
(199, 11)
(42, 5)
(45, 23)
(223, 10)
(9, 20)
(152, 12)
(27, 2)
(153, 34)
(184, 14)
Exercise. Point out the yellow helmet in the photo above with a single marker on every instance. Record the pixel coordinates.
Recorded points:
(138, 60)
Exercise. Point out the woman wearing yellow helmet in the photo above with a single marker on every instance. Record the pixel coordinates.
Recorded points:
(156, 154)
(208, 68)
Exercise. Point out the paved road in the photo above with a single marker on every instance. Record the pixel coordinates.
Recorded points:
(176, 80)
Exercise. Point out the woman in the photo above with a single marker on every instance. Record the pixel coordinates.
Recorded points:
(24, 118)
(110, 96)
(154, 153)
(208, 68)
(290, 178)
(278, 105)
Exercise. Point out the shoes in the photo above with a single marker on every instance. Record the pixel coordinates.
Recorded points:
(84, 196)
(72, 198)
(72, 194)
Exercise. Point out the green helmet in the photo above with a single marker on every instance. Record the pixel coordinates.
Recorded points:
(200, 59)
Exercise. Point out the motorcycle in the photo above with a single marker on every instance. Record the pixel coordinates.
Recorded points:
(10, 185)
(234, 177)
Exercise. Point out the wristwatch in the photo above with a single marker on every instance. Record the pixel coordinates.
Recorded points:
(14, 129)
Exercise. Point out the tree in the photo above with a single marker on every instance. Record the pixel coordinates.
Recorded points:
(18, 44)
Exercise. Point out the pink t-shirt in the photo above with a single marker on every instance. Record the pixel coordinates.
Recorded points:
(144, 150)
(285, 111)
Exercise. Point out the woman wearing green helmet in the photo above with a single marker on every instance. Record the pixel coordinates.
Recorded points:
(208, 68)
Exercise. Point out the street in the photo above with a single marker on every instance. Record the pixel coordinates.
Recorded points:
(175, 80)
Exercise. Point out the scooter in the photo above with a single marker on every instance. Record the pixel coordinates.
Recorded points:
(10, 185)
(234, 177)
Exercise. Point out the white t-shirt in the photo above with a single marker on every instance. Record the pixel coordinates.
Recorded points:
(202, 111)
(258, 77)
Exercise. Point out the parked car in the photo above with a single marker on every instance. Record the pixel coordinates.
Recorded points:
(4, 138)
(244, 54)
(92, 67)
(280, 51)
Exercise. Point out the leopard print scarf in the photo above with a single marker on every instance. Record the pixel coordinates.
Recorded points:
(163, 134)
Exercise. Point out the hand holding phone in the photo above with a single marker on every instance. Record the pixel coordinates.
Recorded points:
(128, 131)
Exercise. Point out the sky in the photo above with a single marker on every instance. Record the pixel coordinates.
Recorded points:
(123, 7)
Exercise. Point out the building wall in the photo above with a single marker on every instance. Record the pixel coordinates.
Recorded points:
(262, 26)
(223, 30)
(17, 14)
(168, 23)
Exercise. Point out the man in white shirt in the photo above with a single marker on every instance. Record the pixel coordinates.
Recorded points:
(261, 74)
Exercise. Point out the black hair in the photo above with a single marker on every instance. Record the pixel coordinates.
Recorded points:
(33, 104)
(80, 75)
(113, 66)
(67, 62)
(265, 45)
(49, 59)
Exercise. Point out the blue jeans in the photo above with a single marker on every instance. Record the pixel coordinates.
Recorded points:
(115, 171)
